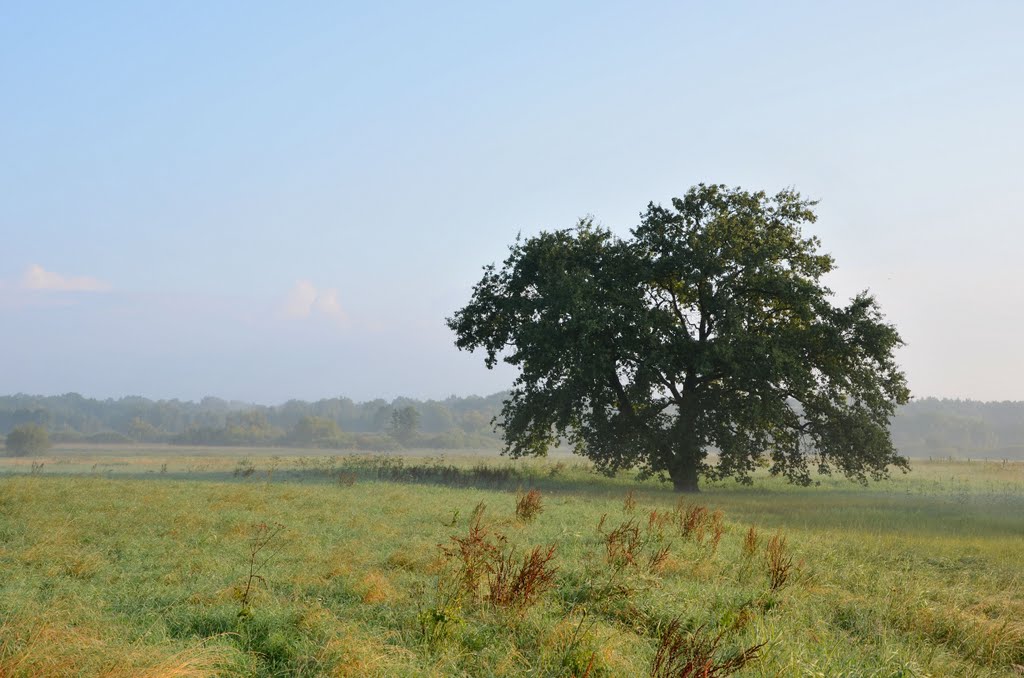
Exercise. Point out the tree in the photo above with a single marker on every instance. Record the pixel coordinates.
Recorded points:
(708, 329)
(315, 432)
(404, 423)
(142, 430)
(27, 439)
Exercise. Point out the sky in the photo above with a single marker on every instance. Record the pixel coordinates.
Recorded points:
(263, 201)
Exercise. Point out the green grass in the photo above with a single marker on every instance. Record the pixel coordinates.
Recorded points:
(131, 562)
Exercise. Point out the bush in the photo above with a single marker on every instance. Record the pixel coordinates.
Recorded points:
(107, 438)
(27, 439)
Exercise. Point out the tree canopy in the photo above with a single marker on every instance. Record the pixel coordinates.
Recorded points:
(404, 423)
(27, 439)
(315, 432)
(708, 330)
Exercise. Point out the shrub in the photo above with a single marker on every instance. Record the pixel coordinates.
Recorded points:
(108, 438)
(27, 439)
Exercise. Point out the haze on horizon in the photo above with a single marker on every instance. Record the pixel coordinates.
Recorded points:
(259, 204)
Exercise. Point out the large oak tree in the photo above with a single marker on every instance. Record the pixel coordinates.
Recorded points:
(708, 330)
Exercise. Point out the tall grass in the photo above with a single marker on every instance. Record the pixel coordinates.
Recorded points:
(120, 571)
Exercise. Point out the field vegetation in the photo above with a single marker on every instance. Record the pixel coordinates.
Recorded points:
(141, 561)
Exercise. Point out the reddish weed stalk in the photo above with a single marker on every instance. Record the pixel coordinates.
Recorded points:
(483, 557)
(695, 654)
(518, 585)
(780, 565)
(692, 521)
(717, 530)
(529, 506)
(629, 503)
(751, 542)
(474, 552)
(623, 544)
(657, 521)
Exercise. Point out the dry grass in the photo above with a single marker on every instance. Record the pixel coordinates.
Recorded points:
(376, 588)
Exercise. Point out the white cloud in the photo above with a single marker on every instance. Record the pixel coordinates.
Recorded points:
(38, 278)
(327, 303)
(305, 300)
(300, 300)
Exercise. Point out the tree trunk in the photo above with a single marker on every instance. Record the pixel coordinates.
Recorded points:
(686, 459)
(684, 475)
(687, 452)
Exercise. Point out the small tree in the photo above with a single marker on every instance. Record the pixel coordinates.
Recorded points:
(404, 424)
(710, 328)
(27, 439)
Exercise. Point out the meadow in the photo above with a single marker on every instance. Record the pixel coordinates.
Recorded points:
(150, 561)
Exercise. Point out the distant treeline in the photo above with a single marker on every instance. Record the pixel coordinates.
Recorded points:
(926, 427)
(340, 423)
(960, 428)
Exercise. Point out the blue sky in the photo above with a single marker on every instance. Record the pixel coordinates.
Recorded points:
(260, 201)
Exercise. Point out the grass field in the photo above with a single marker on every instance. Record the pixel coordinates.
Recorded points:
(159, 562)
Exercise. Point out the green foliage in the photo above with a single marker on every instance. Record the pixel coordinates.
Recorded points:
(404, 424)
(708, 328)
(144, 431)
(27, 439)
(315, 432)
